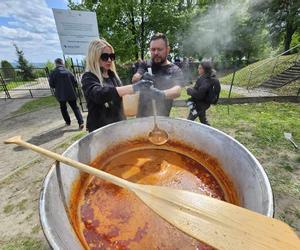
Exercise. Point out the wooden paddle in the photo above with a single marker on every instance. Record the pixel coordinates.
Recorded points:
(217, 223)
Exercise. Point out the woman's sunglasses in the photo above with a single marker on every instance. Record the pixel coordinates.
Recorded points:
(104, 57)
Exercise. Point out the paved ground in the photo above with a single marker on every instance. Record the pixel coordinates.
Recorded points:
(22, 171)
(251, 93)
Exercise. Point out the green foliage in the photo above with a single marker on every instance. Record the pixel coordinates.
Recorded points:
(39, 73)
(232, 32)
(128, 25)
(282, 19)
(50, 65)
(125, 73)
(68, 63)
(24, 66)
(7, 70)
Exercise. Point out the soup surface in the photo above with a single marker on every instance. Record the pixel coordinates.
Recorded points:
(106, 216)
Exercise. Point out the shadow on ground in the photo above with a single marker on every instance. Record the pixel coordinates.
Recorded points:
(46, 137)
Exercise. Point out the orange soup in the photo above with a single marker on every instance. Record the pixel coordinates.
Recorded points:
(106, 216)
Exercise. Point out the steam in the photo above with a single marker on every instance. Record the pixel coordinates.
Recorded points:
(213, 31)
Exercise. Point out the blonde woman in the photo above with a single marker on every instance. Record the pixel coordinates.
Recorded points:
(102, 87)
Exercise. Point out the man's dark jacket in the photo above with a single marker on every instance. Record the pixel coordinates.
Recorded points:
(64, 83)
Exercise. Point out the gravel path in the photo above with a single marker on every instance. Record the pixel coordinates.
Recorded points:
(251, 93)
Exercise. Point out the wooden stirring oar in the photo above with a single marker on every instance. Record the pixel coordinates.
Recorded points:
(217, 223)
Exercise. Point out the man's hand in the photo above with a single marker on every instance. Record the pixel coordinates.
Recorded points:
(148, 76)
(142, 85)
(156, 94)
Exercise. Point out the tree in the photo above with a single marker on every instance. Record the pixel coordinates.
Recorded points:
(7, 70)
(23, 65)
(283, 20)
(226, 32)
(50, 65)
(128, 25)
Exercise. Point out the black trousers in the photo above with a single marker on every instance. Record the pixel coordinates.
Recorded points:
(65, 113)
(201, 113)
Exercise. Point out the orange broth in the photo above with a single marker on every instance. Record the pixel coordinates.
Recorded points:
(106, 216)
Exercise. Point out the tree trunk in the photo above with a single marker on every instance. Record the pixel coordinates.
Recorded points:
(142, 30)
(134, 33)
(288, 38)
(248, 57)
(290, 30)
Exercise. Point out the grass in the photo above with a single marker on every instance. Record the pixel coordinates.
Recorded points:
(289, 89)
(36, 229)
(285, 218)
(260, 128)
(16, 84)
(28, 217)
(8, 208)
(259, 74)
(22, 205)
(36, 104)
(23, 244)
(265, 122)
(71, 140)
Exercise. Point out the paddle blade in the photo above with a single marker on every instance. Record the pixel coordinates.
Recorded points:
(217, 223)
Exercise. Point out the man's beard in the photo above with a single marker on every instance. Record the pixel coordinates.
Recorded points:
(162, 61)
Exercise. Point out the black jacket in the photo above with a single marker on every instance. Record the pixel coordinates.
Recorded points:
(200, 92)
(64, 83)
(103, 102)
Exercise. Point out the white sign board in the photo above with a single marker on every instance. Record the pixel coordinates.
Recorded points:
(75, 30)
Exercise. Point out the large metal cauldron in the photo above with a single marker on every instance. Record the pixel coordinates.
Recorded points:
(239, 164)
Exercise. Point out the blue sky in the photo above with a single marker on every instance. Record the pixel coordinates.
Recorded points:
(29, 24)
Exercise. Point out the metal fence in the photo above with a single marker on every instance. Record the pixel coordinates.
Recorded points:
(13, 84)
(78, 71)
(272, 66)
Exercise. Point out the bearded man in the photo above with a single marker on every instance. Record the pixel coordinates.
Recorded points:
(167, 79)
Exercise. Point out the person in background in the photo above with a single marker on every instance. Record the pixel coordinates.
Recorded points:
(186, 70)
(64, 84)
(102, 87)
(135, 66)
(167, 79)
(205, 92)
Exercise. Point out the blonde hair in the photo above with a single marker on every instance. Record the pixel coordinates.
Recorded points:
(93, 57)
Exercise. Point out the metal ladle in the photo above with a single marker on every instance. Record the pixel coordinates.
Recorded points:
(157, 136)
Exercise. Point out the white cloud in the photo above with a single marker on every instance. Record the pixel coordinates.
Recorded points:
(31, 26)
